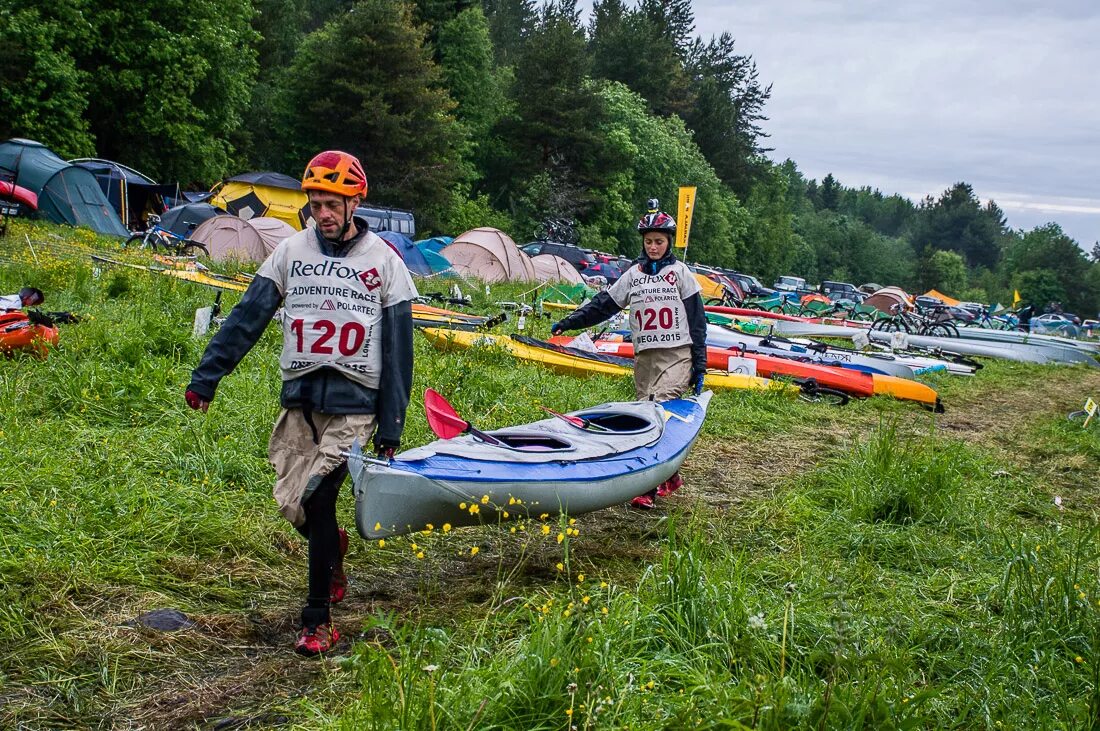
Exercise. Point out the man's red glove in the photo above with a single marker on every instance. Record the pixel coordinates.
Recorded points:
(195, 401)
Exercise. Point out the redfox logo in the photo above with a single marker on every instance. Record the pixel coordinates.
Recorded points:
(371, 279)
(671, 278)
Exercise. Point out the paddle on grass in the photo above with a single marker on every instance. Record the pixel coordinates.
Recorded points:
(445, 421)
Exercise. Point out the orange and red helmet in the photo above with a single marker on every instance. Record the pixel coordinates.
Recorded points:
(336, 172)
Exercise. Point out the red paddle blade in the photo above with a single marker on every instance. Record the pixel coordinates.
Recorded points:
(574, 420)
(442, 418)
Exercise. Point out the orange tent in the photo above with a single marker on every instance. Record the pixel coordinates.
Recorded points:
(949, 301)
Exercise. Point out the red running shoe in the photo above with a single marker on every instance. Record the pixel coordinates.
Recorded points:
(643, 502)
(339, 586)
(316, 640)
(670, 485)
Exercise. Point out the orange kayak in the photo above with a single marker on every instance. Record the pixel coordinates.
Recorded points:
(17, 332)
(852, 382)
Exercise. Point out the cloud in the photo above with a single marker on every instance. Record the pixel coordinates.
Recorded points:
(1003, 94)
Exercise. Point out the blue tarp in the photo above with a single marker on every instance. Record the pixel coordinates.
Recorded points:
(414, 257)
(435, 243)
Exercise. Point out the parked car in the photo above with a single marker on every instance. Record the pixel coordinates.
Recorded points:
(924, 302)
(751, 285)
(840, 290)
(789, 284)
(575, 255)
(1091, 328)
(963, 314)
(389, 219)
(1053, 323)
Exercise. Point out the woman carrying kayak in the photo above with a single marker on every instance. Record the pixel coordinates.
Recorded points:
(668, 324)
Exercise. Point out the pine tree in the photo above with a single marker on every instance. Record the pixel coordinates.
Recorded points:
(728, 110)
(636, 49)
(510, 23)
(554, 129)
(366, 83)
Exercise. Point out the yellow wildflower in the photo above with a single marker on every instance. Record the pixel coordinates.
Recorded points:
(474, 550)
(446, 527)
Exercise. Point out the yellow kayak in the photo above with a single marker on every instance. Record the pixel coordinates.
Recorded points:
(907, 389)
(559, 305)
(578, 365)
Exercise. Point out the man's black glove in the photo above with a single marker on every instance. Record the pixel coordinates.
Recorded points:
(385, 448)
(697, 381)
(556, 329)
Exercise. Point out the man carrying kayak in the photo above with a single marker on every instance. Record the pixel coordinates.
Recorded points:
(347, 364)
(668, 324)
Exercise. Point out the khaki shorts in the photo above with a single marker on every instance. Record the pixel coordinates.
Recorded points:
(663, 373)
(300, 464)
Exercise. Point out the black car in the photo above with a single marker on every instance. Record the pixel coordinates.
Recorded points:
(578, 257)
(751, 285)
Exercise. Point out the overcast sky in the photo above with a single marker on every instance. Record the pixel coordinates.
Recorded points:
(911, 97)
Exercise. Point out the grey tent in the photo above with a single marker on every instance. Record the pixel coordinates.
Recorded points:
(66, 193)
(133, 195)
(183, 220)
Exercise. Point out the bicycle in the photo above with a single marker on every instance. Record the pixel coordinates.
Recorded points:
(560, 230)
(157, 238)
(900, 320)
(999, 322)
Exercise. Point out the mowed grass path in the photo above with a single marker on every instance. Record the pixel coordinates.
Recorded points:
(871, 567)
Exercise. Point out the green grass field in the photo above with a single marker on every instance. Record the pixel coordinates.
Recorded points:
(874, 566)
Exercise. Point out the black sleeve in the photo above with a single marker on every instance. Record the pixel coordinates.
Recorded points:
(697, 327)
(596, 310)
(395, 385)
(241, 330)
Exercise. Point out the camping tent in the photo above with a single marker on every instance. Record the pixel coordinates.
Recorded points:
(410, 252)
(436, 243)
(887, 297)
(133, 195)
(550, 268)
(229, 237)
(182, 220)
(949, 301)
(250, 195)
(490, 255)
(66, 193)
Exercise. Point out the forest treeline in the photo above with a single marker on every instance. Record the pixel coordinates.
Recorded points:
(502, 113)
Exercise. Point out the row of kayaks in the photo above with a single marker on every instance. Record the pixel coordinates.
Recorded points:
(772, 372)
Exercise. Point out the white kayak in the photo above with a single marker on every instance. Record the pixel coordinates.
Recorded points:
(552, 466)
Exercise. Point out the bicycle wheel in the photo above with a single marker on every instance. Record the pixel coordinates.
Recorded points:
(941, 330)
(188, 247)
(889, 325)
(814, 393)
(135, 239)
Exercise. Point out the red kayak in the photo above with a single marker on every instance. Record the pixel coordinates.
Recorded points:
(19, 194)
(17, 332)
(852, 382)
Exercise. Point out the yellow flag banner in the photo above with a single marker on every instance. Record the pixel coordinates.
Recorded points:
(683, 213)
(1015, 297)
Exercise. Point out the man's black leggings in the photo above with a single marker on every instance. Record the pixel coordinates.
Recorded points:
(324, 545)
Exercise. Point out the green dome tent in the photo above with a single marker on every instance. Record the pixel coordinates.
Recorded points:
(66, 193)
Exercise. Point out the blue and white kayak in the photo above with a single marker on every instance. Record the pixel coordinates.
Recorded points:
(624, 450)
